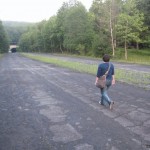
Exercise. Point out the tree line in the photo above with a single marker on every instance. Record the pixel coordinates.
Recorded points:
(4, 40)
(107, 26)
(10, 33)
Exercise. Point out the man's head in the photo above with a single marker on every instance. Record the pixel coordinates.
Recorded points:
(106, 58)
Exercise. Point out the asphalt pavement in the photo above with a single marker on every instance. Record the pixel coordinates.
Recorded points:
(44, 107)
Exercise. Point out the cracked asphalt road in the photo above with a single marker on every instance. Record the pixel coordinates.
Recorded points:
(44, 107)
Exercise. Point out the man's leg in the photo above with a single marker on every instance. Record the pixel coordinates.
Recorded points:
(104, 97)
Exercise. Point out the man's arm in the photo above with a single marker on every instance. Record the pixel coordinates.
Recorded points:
(96, 80)
(113, 79)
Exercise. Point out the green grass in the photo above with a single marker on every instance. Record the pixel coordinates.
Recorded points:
(1, 55)
(81, 67)
(134, 56)
(133, 77)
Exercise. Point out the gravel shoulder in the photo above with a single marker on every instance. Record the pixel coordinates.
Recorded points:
(126, 66)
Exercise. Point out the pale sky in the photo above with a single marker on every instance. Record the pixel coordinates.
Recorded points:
(32, 10)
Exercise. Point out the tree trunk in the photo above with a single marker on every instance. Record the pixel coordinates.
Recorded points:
(115, 44)
(137, 45)
(125, 43)
(111, 32)
(61, 49)
(125, 48)
(112, 39)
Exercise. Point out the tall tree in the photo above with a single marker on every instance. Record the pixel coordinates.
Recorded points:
(106, 13)
(144, 7)
(77, 29)
(52, 42)
(100, 43)
(130, 24)
(4, 43)
(61, 14)
(31, 40)
(15, 30)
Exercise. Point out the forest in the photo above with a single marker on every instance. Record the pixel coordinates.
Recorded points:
(109, 26)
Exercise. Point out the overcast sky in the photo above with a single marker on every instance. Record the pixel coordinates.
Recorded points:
(32, 10)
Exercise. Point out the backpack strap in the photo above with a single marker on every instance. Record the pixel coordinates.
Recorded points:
(108, 69)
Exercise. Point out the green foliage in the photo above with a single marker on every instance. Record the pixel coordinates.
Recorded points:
(100, 45)
(24, 43)
(108, 25)
(60, 19)
(4, 44)
(134, 56)
(15, 30)
(130, 23)
(77, 30)
(144, 7)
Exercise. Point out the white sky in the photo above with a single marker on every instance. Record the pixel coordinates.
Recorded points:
(32, 10)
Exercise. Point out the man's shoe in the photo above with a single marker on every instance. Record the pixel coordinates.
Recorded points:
(111, 105)
(101, 103)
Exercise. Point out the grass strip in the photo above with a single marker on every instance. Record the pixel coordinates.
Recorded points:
(1, 55)
(128, 76)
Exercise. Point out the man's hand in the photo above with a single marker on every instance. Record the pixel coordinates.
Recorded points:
(113, 81)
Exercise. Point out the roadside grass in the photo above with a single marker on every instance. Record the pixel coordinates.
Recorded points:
(141, 79)
(1, 55)
(134, 56)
